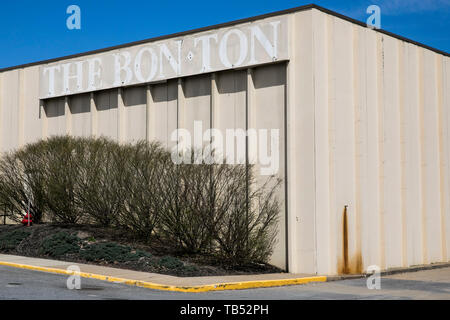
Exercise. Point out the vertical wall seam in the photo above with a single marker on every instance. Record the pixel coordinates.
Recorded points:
(357, 150)
(214, 119)
(331, 145)
(180, 104)
(149, 114)
(94, 115)
(248, 103)
(166, 111)
(366, 151)
(212, 104)
(43, 112)
(21, 93)
(401, 102)
(287, 169)
(286, 195)
(68, 115)
(412, 160)
(121, 115)
(315, 141)
(446, 105)
(422, 156)
(291, 253)
(380, 107)
(439, 100)
(368, 246)
(320, 74)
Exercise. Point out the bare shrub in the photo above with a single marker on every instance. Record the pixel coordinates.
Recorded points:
(215, 209)
(247, 231)
(60, 166)
(192, 204)
(219, 209)
(99, 184)
(22, 181)
(143, 184)
(186, 209)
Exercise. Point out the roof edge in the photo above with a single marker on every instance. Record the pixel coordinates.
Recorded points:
(222, 25)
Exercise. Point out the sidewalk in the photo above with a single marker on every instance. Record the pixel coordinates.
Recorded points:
(160, 281)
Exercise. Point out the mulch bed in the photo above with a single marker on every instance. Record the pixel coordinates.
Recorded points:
(113, 248)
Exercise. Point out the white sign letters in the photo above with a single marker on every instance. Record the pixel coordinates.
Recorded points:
(227, 48)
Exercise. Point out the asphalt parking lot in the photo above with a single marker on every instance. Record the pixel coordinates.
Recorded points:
(32, 285)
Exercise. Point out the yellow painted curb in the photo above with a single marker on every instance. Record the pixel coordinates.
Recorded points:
(150, 285)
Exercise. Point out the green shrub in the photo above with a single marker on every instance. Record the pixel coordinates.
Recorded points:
(104, 251)
(144, 254)
(170, 262)
(190, 268)
(10, 240)
(111, 252)
(60, 244)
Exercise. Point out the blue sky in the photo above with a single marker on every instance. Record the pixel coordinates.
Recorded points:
(36, 30)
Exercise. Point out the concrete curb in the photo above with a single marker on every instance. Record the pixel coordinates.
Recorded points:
(149, 285)
(391, 271)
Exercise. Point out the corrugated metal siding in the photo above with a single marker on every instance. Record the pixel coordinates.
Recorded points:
(381, 132)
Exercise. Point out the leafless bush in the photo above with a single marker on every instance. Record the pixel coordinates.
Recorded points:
(219, 209)
(60, 164)
(186, 210)
(248, 228)
(22, 180)
(214, 209)
(99, 183)
(143, 184)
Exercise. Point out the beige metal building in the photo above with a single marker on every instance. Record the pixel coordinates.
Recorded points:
(363, 116)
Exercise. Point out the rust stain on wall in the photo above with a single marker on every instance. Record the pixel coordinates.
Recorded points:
(346, 264)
